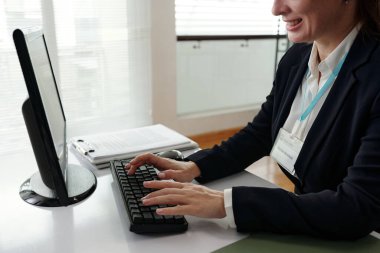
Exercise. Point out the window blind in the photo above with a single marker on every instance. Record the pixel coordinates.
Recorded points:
(226, 17)
(101, 58)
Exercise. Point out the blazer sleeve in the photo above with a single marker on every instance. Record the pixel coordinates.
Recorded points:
(351, 211)
(255, 140)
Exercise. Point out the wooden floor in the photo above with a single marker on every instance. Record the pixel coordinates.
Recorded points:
(271, 173)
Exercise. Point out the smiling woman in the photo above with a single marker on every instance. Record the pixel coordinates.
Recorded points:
(320, 123)
(326, 22)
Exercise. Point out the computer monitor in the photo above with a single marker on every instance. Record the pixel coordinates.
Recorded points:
(57, 183)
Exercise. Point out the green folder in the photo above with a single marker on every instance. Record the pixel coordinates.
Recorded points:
(264, 243)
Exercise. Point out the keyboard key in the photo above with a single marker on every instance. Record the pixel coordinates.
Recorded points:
(134, 206)
(169, 218)
(148, 217)
(158, 218)
(179, 219)
(118, 164)
(132, 202)
(145, 209)
(137, 218)
(129, 196)
(139, 195)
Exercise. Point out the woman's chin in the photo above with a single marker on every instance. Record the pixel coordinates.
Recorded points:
(296, 38)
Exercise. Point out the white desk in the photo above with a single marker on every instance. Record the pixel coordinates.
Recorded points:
(99, 223)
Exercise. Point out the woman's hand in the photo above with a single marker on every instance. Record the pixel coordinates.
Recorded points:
(172, 169)
(187, 198)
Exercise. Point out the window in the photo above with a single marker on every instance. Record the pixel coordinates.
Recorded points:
(101, 58)
(226, 17)
(227, 52)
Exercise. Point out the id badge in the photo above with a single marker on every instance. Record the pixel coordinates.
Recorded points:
(285, 150)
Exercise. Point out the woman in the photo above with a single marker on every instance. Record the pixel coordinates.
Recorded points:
(321, 123)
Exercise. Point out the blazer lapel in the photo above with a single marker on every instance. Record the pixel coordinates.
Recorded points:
(296, 74)
(358, 55)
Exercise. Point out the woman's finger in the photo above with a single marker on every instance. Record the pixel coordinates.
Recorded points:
(147, 158)
(143, 159)
(175, 210)
(165, 191)
(171, 199)
(171, 174)
(132, 166)
(157, 184)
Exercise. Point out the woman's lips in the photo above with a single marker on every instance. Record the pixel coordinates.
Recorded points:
(292, 25)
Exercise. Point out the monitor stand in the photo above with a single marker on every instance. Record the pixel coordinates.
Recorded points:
(80, 184)
(52, 186)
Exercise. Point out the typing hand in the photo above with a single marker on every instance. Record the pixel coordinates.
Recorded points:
(170, 169)
(187, 198)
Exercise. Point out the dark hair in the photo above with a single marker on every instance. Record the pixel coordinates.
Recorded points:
(369, 15)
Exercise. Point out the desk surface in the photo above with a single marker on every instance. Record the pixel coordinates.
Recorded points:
(99, 223)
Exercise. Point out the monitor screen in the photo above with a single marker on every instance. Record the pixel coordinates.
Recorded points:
(57, 183)
(49, 95)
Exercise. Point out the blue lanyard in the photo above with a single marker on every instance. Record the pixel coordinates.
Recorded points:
(324, 88)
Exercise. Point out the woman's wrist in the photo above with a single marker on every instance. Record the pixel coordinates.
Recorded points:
(194, 170)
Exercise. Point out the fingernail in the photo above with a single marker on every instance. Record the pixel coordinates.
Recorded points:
(161, 175)
(159, 211)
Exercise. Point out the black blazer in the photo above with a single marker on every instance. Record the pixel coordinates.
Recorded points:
(338, 190)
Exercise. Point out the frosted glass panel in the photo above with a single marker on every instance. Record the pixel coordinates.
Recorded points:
(215, 76)
(100, 53)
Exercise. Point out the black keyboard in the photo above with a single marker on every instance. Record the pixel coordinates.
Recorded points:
(143, 219)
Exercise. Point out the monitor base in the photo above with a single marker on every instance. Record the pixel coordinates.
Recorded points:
(80, 183)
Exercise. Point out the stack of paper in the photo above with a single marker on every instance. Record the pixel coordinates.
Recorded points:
(101, 148)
